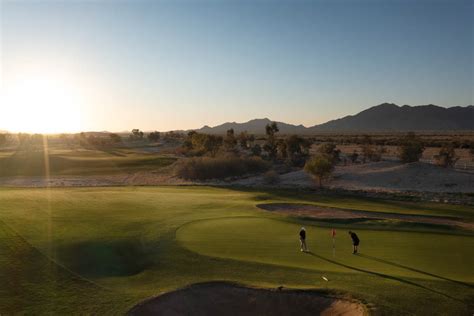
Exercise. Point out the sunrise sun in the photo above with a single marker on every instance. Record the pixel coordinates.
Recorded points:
(41, 103)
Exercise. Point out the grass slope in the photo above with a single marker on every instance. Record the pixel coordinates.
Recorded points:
(101, 250)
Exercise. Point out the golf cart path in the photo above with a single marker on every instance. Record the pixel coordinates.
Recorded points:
(224, 298)
(323, 212)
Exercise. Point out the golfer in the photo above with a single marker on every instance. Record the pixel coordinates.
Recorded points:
(355, 241)
(303, 240)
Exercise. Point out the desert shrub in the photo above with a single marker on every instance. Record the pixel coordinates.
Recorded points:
(197, 144)
(136, 134)
(115, 138)
(411, 148)
(371, 153)
(230, 141)
(353, 157)
(320, 167)
(154, 136)
(446, 157)
(271, 177)
(256, 150)
(330, 151)
(204, 168)
(471, 150)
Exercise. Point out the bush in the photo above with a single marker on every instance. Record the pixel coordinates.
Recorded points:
(204, 168)
(371, 153)
(411, 148)
(319, 167)
(256, 150)
(271, 177)
(446, 157)
(330, 151)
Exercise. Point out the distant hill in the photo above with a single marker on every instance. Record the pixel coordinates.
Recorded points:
(383, 117)
(391, 117)
(256, 126)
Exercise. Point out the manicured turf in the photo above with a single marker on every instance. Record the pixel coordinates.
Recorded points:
(276, 242)
(102, 250)
(79, 162)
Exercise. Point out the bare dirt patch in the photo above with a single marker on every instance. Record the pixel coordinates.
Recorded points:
(221, 298)
(383, 176)
(319, 212)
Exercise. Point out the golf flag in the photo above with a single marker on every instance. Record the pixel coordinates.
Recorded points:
(333, 234)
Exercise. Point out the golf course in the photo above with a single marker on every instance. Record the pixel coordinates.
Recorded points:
(103, 250)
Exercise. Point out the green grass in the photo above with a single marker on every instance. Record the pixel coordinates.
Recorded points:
(102, 250)
(79, 162)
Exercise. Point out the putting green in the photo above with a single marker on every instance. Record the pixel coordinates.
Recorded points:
(384, 253)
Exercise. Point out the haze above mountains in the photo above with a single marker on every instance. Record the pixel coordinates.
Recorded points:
(384, 117)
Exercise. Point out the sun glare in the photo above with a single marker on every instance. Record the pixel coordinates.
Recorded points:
(36, 103)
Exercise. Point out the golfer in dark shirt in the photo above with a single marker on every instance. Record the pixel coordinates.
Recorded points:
(355, 241)
(303, 240)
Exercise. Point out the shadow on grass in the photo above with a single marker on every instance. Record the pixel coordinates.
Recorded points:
(385, 276)
(99, 258)
(416, 270)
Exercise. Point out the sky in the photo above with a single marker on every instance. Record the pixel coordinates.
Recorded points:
(165, 65)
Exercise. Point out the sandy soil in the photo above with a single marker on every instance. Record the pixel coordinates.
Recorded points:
(138, 178)
(385, 176)
(219, 298)
(313, 211)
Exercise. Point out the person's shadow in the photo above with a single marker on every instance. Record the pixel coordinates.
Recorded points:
(416, 270)
(385, 276)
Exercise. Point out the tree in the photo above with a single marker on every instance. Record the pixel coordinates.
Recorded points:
(3, 139)
(446, 156)
(271, 129)
(136, 134)
(154, 136)
(270, 145)
(330, 151)
(297, 150)
(282, 149)
(319, 167)
(115, 138)
(245, 140)
(197, 144)
(411, 148)
(230, 141)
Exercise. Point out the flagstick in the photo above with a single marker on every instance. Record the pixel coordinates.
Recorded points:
(333, 247)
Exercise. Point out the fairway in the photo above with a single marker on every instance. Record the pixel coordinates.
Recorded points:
(109, 248)
(78, 162)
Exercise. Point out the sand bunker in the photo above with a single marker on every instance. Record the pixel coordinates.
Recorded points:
(220, 298)
(319, 212)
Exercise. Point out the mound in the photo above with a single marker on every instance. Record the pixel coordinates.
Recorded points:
(319, 212)
(220, 298)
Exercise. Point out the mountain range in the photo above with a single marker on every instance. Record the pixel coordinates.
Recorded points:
(386, 117)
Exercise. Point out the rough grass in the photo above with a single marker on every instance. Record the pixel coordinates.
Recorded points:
(102, 250)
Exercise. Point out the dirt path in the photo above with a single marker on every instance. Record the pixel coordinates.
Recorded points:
(220, 298)
(314, 211)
